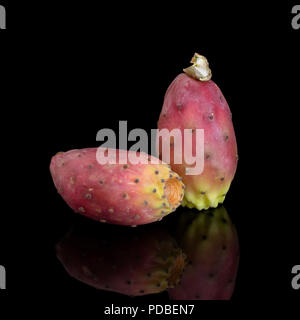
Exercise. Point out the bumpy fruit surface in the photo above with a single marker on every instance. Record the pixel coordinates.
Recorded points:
(130, 194)
(209, 239)
(129, 262)
(194, 104)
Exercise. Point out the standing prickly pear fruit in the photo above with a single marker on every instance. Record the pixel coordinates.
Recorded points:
(193, 101)
(210, 241)
(126, 194)
(126, 261)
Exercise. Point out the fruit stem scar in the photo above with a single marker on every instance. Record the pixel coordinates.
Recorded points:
(200, 69)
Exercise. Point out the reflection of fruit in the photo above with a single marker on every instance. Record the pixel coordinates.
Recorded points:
(125, 261)
(209, 239)
(193, 104)
(130, 194)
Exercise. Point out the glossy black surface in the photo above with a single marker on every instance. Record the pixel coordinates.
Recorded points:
(63, 80)
(193, 257)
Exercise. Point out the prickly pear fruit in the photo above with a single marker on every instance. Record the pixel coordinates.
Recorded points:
(132, 263)
(209, 239)
(193, 101)
(130, 194)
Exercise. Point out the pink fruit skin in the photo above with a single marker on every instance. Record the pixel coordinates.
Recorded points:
(137, 264)
(114, 193)
(192, 104)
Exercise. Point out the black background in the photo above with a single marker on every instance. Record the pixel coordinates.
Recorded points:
(68, 71)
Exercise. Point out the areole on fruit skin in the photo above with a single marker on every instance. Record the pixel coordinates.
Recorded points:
(193, 101)
(130, 194)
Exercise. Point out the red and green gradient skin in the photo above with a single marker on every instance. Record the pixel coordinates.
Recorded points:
(130, 194)
(194, 104)
(210, 241)
(133, 264)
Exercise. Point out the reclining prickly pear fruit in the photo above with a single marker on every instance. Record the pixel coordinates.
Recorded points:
(210, 241)
(132, 263)
(193, 101)
(126, 194)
